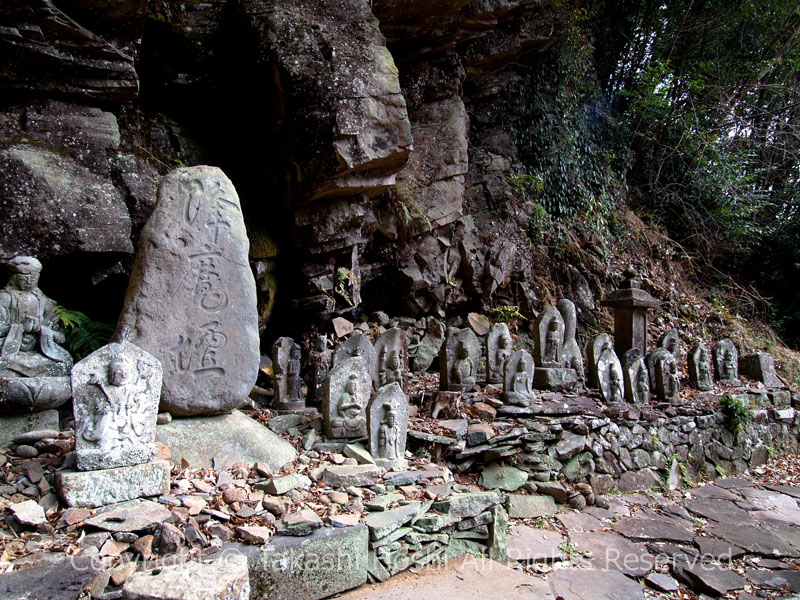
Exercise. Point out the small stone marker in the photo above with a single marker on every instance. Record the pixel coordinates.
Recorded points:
(665, 366)
(115, 401)
(637, 383)
(319, 364)
(498, 349)
(518, 380)
(726, 362)
(593, 349)
(670, 340)
(391, 349)
(347, 392)
(387, 418)
(610, 377)
(571, 352)
(358, 346)
(191, 301)
(699, 362)
(458, 361)
(548, 331)
(286, 367)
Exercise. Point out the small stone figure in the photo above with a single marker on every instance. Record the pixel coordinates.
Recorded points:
(458, 361)
(359, 346)
(670, 340)
(286, 367)
(726, 362)
(609, 374)
(347, 392)
(387, 416)
(761, 367)
(666, 374)
(571, 353)
(637, 386)
(319, 363)
(498, 349)
(116, 392)
(518, 380)
(548, 331)
(392, 351)
(34, 368)
(699, 362)
(593, 350)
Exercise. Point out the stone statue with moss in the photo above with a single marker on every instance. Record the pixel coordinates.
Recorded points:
(34, 367)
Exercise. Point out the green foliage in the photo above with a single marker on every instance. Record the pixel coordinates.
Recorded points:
(344, 278)
(737, 413)
(83, 335)
(507, 314)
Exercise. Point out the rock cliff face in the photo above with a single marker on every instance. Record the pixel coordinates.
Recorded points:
(370, 142)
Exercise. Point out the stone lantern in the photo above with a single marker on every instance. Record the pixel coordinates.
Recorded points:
(630, 303)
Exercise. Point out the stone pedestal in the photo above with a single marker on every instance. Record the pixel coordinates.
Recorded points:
(761, 367)
(110, 486)
(554, 379)
(630, 304)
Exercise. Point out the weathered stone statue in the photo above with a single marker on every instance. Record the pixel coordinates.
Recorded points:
(116, 392)
(319, 364)
(518, 379)
(571, 353)
(286, 367)
(387, 417)
(670, 340)
(392, 351)
(699, 363)
(34, 368)
(498, 349)
(667, 387)
(358, 346)
(637, 386)
(761, 367)
(459, 361)
(726, 362)
(609, 374)
(344, 403)
(593, 349)
(430, 346)
(548, 331)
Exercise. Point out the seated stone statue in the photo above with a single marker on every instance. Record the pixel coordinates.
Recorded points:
(29, 342)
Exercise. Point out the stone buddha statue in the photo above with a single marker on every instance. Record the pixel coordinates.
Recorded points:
(34, 368)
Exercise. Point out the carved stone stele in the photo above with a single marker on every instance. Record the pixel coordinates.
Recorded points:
(358, 346)
(115, 402)
(518, 379)
(593, 349)
(387, 419)
(458, 361)
(391, 348)
(670, 340)
(699, 364)
(571, 352)
(498, 349)
(191, 300)
(665, 367)
(548, 332)
(637, 381)
(610, 377)
(344, 402)
(726, 362)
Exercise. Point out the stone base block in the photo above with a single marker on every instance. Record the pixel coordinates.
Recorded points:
(322, 564)
(110, 486)
(555, 380)
(761, 367)
(92, 459)
(222, 579)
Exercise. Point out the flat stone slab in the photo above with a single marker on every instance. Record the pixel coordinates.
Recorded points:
(789, 490)
(594, 584)
(110, 486)
(385, 522)
(62, 579)
(224, 440)
(757, 540)
(653, 530)
(580, 521)
(613, 552)
(526, 544)
(775, 580)
(28, 513)
(131, 516)
(465, 578)
(721, 511)
(347, 475)
(718, 549)
(221, 579)
(329, 561)
(661, 582)
(509, 479)
(708, 578)
(13, 425)
(714, 491)
(733, 483)
(530, 507)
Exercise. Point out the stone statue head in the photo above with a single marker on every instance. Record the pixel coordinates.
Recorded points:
(119, 371)
(553, 325)
(504, 341)
(393, 362)
(25, 272)
(352, 384)
(463, 351)
(295, 353)
(320, 343)
(391, 416)
(357, 351)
